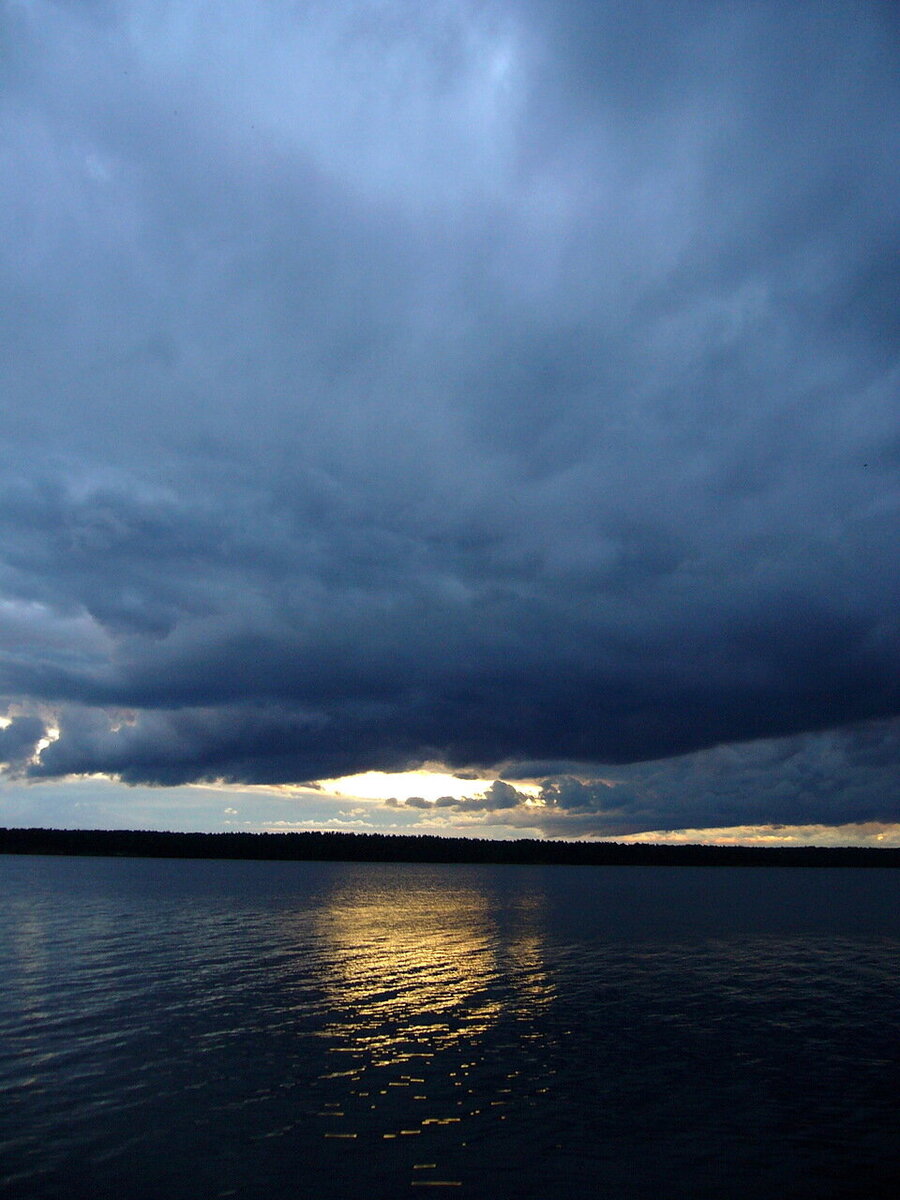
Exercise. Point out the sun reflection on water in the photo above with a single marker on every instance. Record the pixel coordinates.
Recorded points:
(402, 964)
(422, 988)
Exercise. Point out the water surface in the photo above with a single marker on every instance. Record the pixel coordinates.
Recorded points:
(261, 1029)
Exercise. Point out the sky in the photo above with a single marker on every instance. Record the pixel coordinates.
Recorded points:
(469, 417)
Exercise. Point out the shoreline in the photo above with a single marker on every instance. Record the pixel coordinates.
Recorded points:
(377, 847)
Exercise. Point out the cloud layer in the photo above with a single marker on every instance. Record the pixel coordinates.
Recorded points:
(458, 382)
(828, 779)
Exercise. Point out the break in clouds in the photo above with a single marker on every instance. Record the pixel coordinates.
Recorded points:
(477, 383)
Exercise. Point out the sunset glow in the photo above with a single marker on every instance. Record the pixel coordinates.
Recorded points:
(428, 784)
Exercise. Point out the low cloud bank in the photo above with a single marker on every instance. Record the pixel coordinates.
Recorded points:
(833, 779)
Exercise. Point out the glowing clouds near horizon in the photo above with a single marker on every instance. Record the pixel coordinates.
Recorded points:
(425, 785)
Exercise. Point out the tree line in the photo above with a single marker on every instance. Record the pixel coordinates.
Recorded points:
(380, 847)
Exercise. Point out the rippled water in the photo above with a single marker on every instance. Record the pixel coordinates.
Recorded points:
(204, 1029)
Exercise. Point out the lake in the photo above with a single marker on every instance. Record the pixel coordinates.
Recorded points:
(193, 1029)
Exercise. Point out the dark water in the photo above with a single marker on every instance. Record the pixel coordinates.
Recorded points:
(204, 1029)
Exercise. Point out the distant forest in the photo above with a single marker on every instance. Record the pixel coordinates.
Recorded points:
(376, 847)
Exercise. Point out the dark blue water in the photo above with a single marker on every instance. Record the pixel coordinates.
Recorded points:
(205, 1029)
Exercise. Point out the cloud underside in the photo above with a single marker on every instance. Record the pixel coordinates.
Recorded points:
(482, 384)
(823, 780)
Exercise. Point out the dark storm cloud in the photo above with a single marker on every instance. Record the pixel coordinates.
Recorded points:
(839, 777)
(18, 741)
(463, 383)
(499, 795)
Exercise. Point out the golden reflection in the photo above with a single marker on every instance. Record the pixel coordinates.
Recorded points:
(412, 966)
(430, 985)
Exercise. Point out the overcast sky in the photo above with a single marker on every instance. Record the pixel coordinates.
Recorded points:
(511, 386)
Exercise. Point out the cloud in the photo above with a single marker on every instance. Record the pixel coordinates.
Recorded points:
(472, 383)
(19, 740)
(417, 802)
(497, 796)
(829, 779)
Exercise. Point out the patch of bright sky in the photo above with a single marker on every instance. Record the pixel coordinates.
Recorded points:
(49, 737)
(428, 783)
(97, 802)
(864, 833)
